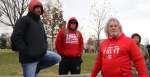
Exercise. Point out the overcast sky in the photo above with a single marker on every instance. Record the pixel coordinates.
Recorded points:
(134, 15)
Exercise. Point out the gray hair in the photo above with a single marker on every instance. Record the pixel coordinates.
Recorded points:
(106, 26)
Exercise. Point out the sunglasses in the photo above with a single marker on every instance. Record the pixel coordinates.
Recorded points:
(73, 23)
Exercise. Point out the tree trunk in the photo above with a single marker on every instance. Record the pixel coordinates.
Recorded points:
(52, 44)
(98, 44)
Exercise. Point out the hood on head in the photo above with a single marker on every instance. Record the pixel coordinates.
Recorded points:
(34, 3)
(136, 34)
(68, 25)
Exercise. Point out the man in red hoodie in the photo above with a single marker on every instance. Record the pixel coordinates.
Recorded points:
(117, 52)
(69, 44)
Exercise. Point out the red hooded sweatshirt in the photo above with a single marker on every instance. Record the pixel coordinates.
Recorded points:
(115, 56)
(70, 45)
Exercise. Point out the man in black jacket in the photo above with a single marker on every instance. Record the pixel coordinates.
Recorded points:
(31, 42)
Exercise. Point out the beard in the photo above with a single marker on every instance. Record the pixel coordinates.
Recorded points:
(137, 42)
(38, 12)
(113, 32)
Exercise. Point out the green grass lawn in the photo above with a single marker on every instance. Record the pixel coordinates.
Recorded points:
(10, 66)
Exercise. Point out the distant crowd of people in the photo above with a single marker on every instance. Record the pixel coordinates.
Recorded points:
(89, 51)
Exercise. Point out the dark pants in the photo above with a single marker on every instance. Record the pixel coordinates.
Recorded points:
(148, 65)
(70, 64)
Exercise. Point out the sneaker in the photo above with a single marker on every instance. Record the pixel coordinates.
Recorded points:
(37, 75)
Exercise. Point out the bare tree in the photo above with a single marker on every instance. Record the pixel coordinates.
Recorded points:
(84, 32)
(0, 13)
(90, 43)
(146, 41)
(12, 10)
(53, 19)
(100, 14)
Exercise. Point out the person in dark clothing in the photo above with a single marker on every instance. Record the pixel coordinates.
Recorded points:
(31, 42)
(85, 51)
(92, 51)
(148, 65)
(148, 48)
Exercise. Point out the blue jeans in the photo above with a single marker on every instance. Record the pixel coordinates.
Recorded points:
(49, 59)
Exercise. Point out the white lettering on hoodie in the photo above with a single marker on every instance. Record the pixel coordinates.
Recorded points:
(110, 49)
(72, 38)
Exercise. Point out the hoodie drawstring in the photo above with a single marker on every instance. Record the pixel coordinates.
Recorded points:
(112, 52)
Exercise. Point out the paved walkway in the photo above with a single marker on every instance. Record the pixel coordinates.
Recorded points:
(81, 75)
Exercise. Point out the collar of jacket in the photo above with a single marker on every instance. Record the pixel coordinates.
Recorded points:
(34, 16)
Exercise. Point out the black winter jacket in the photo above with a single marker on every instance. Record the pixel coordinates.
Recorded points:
(31, 42)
